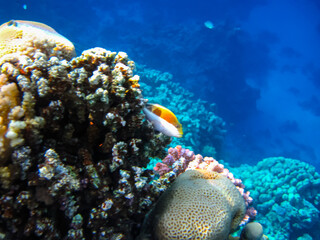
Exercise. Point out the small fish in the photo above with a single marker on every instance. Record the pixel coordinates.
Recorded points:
(163, 120)
(17, 35)
(209, 24)
(30, 24)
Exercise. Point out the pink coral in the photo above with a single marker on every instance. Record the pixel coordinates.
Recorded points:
(179, 160)
(162, 168)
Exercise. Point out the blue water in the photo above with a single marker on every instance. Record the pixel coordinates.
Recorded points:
(259, 62)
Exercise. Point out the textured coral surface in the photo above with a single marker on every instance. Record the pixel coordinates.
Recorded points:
(287, 197)
(200, 204)
(73, 143)
(180, 160)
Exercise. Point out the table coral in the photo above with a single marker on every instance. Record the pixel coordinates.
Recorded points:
(200, 204)
(73, 146)
(287, 193)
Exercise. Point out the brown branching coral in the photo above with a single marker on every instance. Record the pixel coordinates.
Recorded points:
(73, 146)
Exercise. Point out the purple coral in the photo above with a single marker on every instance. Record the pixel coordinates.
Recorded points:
(177, 161)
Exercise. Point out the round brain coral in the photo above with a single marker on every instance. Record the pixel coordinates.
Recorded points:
(27, 37)
(200, 204)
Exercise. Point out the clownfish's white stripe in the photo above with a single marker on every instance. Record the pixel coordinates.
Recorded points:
(161, 125)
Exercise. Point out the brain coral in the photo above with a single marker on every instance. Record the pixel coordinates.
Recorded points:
(200, 204)
(28, 37)
(179, 160)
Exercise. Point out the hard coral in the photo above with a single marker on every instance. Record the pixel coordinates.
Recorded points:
(252, 231)
(291, 204)
(73, 146)
(200, 204)
(180, 160)
(10, 113)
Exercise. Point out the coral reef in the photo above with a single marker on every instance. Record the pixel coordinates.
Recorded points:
(73, 146)
(179, 160)
(204, 131)
(287, 197)
(200, 204)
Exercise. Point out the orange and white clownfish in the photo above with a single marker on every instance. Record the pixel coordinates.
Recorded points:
(163, 120)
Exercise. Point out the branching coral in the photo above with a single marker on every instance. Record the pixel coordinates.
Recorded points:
(73, 146)
(10, 113)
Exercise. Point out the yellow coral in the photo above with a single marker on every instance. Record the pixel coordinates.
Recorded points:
(9, 110)
(200, 204)
(26, 37)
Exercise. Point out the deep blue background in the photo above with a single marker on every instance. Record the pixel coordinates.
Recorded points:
(260, 63)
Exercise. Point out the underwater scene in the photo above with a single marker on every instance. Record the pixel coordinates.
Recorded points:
(160, 120)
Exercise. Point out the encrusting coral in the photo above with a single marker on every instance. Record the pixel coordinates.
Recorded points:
(73, 145)
(200, 204)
